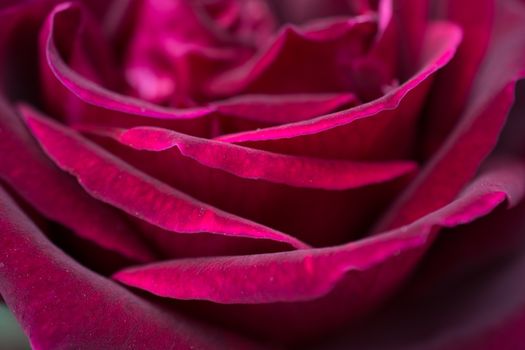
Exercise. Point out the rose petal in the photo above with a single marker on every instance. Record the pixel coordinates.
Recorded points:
(482, 307)
(281, 109)
(261, 165)
(54, 194)
(312, 59)
(410, 19)
(299, 11)
(115, 182)
(167, 63)
(261, 192)
(381, 129)
(315, 270)
(60, 304)
(326, 277)
(448, 100)
(90, 102)
(477, 132)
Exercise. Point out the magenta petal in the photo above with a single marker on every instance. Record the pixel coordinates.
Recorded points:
(113, 181)
(171, 63)
(302, 60)
(473, 295)
(478, 129)
(410, 20)
(388, 122)
(312, 273)
(281, 109)
(97, 95)
(26, 169)
(496, 317)
(60, 304)
(255, 164)
(86, 100)
(475, 17)
(301, 210)
(284, 295)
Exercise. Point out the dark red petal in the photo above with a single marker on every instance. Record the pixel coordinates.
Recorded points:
(262, 192)
(410, 21)
(472, 296)
(477, 132)
(311, 273)
(381, 129)
(78, 99)
(281, 109)
(261, 165)
(171, 63)
(299, 11)
(317, 58)
(326, 277)
(60, 304)
(448, 99)
(115, 182)
(57, 196)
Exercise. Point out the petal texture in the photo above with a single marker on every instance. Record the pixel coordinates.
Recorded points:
(119, 184)
(477, 132)
(62, 305)
(57, 196)
(256, 164)
(334, 284)
(398, 110)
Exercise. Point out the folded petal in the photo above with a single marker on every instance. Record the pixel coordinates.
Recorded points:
(479, 127)
(171, 63)
(453, 85)
(61, 304)
(262, 165)
(88, 101)
(298, 195)
(381, 129)
(317, 58)
(410, 21)
(115, 182)
(473, 295)
(281, 109)
(364, 272)
(57, 196)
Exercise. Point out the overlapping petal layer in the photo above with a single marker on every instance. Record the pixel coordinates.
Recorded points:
(476, 133)
(367, 270)
(57, 196)
(302, 196)
(366, 131)
(64, 305)
(113, 181)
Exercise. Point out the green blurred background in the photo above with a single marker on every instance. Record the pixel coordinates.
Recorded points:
(11, 336)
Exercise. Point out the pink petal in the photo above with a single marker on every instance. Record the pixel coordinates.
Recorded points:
(281, 109)
(313, 59)
(381, 129)
(115, 182)
(61, 304)
(478, 130)
(325, 277)
(91, 102)
(299, 11)
(448, 100)
(411, 23)
(261, 165)
(468, 293)
(54, 194)
(320, 197)
(171, 63)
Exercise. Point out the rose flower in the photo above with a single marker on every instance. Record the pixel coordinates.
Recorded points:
(238, 174)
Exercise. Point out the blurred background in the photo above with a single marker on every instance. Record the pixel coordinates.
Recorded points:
(11, 336)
